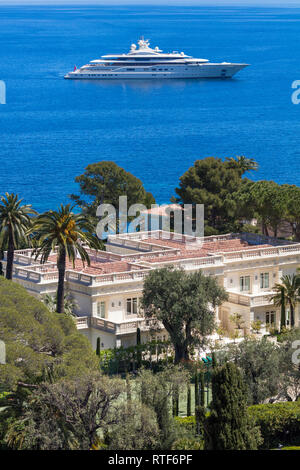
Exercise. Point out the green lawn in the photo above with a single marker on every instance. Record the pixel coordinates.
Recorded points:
(290, 448)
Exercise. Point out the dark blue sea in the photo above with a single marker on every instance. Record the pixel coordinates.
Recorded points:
(51, 128)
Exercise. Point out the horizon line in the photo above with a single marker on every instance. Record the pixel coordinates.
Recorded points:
(170, 3)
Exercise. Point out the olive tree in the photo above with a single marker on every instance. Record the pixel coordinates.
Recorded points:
(184, 303)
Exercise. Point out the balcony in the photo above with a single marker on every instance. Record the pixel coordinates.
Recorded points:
(86, 279)
(36, 273)
(251, 300)
(123, 328)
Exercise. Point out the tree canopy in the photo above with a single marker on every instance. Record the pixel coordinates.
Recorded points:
(14, 223)
(156, 391)
(39, 344)
(264, 200)
(184, 303)
(287, 294)
(104, 182)
(229, 198)
(292, 214)
(66, 415)
(67, 233)
(210, 181)
(259, 361)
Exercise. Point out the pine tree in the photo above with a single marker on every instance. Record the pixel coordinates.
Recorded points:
(229, 426)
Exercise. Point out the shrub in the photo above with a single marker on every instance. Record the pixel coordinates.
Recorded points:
(187, 424)
(188, 444)
(279, 423)
(186, 432)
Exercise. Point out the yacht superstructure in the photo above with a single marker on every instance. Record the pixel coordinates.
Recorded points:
(144, 62)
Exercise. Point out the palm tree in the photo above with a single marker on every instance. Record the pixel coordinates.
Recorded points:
(243, 163)
(65, 232)
(287, 293)
(15, 220)
(69, 304)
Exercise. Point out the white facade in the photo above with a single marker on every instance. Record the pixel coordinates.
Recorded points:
(107, 293)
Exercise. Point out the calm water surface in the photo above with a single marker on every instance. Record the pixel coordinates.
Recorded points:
(51, 128)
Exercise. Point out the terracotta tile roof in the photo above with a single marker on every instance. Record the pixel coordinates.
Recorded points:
(210, 247)
(104, 263)
(99, 266)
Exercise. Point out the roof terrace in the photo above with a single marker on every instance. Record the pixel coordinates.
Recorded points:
(135, 253)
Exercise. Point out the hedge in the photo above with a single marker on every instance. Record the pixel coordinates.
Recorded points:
(279, 423)
(154, 355)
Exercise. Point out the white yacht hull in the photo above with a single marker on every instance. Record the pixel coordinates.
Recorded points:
(209, 70)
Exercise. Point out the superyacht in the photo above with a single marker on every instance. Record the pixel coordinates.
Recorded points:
(143, 62)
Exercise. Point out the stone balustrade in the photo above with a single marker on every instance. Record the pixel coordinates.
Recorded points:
(125, 327)
(135, 274)
(250, 300)
(262, 252)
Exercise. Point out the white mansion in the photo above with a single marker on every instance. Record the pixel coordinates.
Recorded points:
(107, 292)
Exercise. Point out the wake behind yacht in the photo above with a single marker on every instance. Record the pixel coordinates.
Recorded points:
(142, 62)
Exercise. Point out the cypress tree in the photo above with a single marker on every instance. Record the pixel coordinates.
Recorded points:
(138, 347)
(173, 405)
(196, 390)
(175, 402)
(128, 388)
(200, 420)
(214, 360)
(202, 389)
(188, 401)
(229, 426)
(138, 336)
(98, 347)
(283, 316)
(1, 258)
